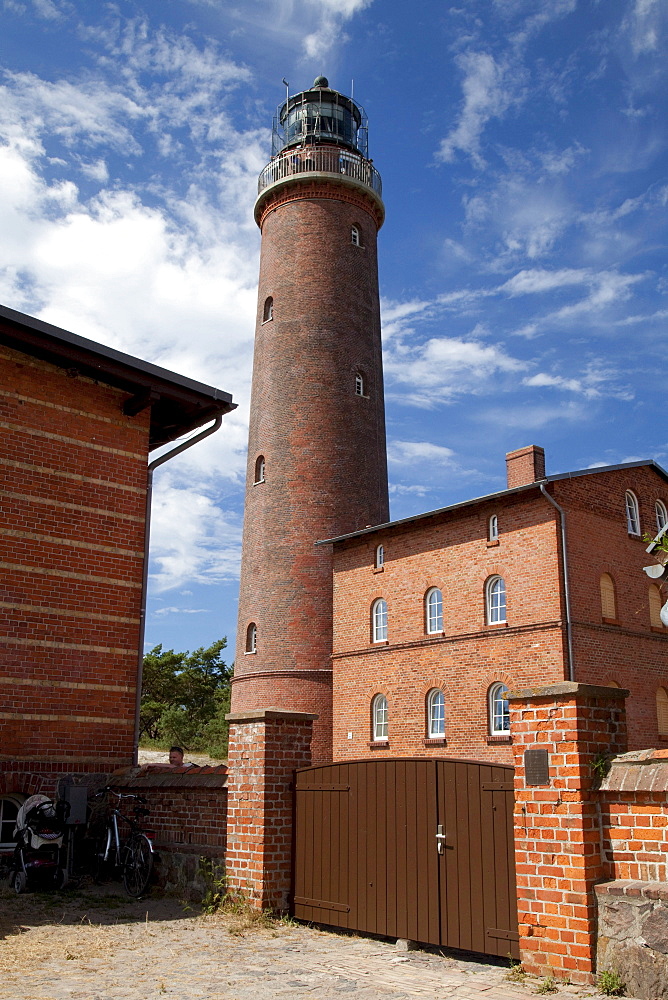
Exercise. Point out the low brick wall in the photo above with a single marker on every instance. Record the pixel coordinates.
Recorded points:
(633, 907)
(188, 819)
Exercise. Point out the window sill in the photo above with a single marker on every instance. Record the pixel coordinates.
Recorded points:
(435, 741)
(378, 569)
(435, 635)
(492, 544)
(265, 321)
(496, 625)
(381, 642)
(659, 629)
(493, 740)
(379, 744)
(259, 482)
(250, 652)
(611, 621)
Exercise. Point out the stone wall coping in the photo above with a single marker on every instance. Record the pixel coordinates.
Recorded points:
(258, 714)
(631, 887)
(637, 771)
(173, 777)
(566, 688)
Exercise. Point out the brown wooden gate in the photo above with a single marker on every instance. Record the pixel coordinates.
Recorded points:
(412, 848)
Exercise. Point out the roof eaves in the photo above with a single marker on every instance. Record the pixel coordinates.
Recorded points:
(496, 496)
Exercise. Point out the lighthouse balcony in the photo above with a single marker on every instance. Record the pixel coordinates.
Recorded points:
(330, 160)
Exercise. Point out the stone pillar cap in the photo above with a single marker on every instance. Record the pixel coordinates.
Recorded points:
(566, 688)
(258, 714)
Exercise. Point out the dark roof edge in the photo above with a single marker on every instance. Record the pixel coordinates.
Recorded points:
(145, 367)
(496, 496)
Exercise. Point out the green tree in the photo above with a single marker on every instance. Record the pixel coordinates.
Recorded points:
(185, 697)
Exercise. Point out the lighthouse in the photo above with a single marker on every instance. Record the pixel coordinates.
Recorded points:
(317, 464)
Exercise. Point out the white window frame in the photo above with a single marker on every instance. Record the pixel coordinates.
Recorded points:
(436, 714)
(379, 719)
(661, 515)
(379, 620)
(493, 528)
(499, 710)
(433, 611)
(355, 236)
(359, 384)
(380, 557)
(632, 513)
(260, 468)
(496, 609)
(251, 638)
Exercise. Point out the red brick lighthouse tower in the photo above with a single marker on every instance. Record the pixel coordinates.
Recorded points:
(316, 453)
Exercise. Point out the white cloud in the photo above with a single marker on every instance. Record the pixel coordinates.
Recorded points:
(192, 539)
(332, 14)
(534, 281)
(645, 21)
(533, 417)
(162, 612)
(417, 452)
(489, 89)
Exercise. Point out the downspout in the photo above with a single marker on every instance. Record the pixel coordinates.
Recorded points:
(567, 593)
(147, 534)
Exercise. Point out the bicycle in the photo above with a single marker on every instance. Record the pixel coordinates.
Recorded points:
(134, 856)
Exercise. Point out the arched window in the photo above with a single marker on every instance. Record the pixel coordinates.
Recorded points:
(251, 638)
(662, 711)
(493, 529)
(632, 515)
(655, 605)
(433, 607)
(9, 807)
(436, 714)
(379, 621)
(259, 469)
(268, 311)
(608, 601)
(661, 515)
(499, 710)
(359, 384)
(496, 600)
(380, 557)
(355, 237)
(379, 727)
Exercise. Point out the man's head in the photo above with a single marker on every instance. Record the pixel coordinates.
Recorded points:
(176, 756)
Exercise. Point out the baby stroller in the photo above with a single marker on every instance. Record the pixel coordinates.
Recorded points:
(38, 855)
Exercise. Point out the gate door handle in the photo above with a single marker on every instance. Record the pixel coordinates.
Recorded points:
(440, 839)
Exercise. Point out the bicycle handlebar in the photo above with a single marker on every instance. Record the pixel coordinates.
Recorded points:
(119, 795)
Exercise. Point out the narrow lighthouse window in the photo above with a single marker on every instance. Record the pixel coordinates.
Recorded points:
(359, 384)
(355, 236)
(268, 311)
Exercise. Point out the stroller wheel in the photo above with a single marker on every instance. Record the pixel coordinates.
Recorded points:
(62, 878)
(20, 882)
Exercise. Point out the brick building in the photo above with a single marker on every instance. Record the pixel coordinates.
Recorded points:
(438, 615)
(78, 423)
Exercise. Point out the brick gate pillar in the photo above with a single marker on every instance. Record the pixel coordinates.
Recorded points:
(265, 747)
(559, 732)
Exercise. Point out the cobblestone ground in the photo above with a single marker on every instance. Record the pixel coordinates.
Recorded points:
(96, 944)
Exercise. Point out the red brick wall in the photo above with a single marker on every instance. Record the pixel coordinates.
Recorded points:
(72, 523)
(452, 553)
(557, 827)
(188, 810)
(324, 445)
(264, 750)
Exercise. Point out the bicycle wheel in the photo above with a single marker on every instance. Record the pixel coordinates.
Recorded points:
(101, 870)
(138, 865)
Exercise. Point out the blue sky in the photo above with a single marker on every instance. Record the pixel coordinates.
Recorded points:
(523, 148)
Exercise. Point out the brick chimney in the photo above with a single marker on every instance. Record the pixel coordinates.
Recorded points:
(524, 466)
